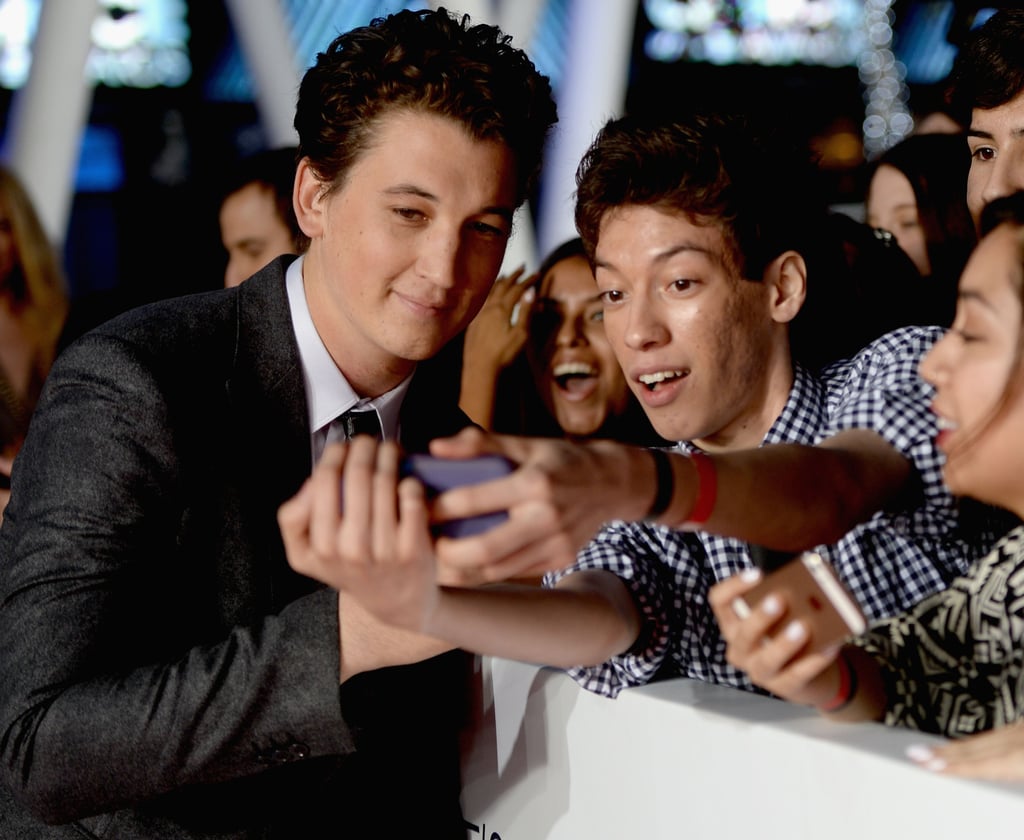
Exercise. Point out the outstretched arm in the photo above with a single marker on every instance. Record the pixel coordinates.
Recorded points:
(380, 556)
(785, 496)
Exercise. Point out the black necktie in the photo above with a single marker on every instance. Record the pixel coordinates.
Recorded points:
(361, 422)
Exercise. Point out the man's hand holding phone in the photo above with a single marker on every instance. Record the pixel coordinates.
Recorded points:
(362, 525)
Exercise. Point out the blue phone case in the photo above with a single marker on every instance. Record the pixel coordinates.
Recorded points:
(440, 474)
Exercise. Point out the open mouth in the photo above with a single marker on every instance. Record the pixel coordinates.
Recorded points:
(652, 381)
(574, 377)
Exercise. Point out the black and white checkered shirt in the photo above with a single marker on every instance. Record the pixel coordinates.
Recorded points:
(889, 562)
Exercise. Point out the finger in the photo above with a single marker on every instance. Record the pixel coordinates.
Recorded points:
(519, 319)
(1002, 746)
(512, 284)
(518, 544)
(293, 521)
(354, 535)
(413, 519)
(384, 508)
(997, 755)
(326, 501)
(722, 597)
(468, 443)
(750, 634)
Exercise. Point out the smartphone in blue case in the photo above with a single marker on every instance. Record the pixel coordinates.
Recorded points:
(440, 474)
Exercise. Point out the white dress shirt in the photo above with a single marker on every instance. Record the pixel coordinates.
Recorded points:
(328, 393)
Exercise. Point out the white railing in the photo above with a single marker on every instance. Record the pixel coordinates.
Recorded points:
(685, 759)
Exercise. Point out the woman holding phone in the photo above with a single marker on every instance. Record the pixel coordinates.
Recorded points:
(954, 663)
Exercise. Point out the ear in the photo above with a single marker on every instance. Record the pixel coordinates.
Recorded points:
(786, 281)
(307, 199)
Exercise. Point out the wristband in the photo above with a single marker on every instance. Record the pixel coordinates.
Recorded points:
(847, 687)
(666, 481)
(707, 488)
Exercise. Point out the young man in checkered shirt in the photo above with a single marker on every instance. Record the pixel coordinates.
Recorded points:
(709, 246)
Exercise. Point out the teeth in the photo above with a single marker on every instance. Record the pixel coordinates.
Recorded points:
(945, 424)
(654, 378)
(575, 369)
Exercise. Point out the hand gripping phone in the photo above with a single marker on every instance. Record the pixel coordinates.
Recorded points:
(813, 594)
(440, 474)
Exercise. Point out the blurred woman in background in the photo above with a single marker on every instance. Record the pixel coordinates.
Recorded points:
(917, 192)
(536, 360)
(33, 309)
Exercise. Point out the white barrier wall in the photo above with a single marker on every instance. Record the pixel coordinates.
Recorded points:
(685, 759)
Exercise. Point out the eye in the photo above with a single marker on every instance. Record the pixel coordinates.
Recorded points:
(611, 297)
(409, 213)
(597, 316)
(680, 285)
(489, 230)
(965, 336)
(983, 153)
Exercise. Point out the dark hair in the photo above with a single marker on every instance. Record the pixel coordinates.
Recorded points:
(936, 165)
(570, 248)
(759, 185)
(275, 170)
(989, 67)
(426, 60)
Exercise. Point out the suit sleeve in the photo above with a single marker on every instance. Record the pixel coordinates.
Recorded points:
(113, 687)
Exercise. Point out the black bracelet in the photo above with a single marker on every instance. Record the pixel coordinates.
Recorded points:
(666, 479)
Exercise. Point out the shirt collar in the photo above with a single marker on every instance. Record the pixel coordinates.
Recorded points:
(328, 393)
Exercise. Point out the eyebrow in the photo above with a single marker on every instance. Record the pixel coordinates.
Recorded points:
(988, 135)
(663, 256)
(971, 294)
(411, 189)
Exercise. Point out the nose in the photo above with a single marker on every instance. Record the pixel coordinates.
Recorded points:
(934, 365)
(570, 332)
(438, 257)
(644, 327)
(1006, 176)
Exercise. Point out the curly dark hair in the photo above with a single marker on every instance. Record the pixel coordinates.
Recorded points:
(426, 60)
(989, 67)
(760, 186)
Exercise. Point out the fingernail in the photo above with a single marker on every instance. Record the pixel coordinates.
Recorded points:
(795, 631)
(771, 605)
(529, 294)
(750, 575)
(513, 319)
(920, 753)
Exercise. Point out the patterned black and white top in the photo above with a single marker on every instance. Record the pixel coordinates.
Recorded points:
(889, 563)
(954, 663)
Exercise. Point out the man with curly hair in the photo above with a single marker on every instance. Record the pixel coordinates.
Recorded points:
(165, 673)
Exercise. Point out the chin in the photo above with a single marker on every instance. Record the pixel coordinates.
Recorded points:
(577, 426)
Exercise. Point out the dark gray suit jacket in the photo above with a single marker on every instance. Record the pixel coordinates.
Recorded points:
(163, 672)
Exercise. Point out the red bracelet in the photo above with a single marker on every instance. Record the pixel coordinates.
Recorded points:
(707, 488)
(847, 686)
